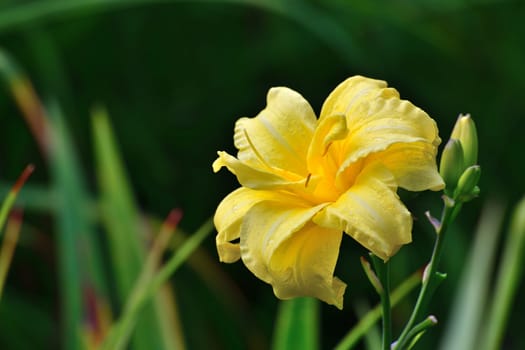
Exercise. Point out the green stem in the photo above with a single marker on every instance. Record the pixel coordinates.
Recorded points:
(431, 278)
(383, 273)
(365, 323)
(419, 329)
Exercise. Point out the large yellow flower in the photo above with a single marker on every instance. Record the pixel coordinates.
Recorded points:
(305, 181)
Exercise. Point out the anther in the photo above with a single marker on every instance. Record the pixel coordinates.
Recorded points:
(307, 180)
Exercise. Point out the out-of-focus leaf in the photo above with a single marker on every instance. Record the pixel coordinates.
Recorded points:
(143, 291)
(125, 231)
(34, 197)
(373, 336)
(78, 260)
(78, 253)
(509, 277)
(237, 326)
(12, 195)
(9, 243)
(297, 325)
(12, 231)
(469, 304)
(370, 319)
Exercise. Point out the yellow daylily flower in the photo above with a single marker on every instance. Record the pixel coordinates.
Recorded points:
(305, 181)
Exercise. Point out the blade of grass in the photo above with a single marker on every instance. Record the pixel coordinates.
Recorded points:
(26, 98)
(225, 292)
(365, 323)
(126, 234)
(79, 262)
(12, 195)
(13, 226)
(51, 71)
(153, 259)
(118, 337)
(297, 324)
(70, 222)
(372, 337)
(170, 319)
(508, 279)
(171, 330)
(79, 259)
(12, 232)
(33, 197)
(469, 303)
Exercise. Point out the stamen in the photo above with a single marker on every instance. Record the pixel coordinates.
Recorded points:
(307, 180)
(326, 149)
(257, 154)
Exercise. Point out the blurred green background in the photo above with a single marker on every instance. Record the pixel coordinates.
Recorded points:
(175, 75)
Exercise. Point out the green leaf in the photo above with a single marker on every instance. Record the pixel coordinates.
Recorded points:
(143, 292)
(78, 251)
(125, 233)
(33, 197)
(12, 232)
(508, 280)
(297, 325)
(372, 338)
(462, 328)
(79, 264)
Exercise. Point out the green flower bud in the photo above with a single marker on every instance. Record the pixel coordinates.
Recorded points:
(467, 184)
(465, 132)
(451, 166)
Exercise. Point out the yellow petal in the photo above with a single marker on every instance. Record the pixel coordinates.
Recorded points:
(352, 92)
(371, 212)
(413, 165)
(281, 246)
(376, 119)
(228, 218)
(256, 178)
(377, 124)
(279, 136)
(330, 129)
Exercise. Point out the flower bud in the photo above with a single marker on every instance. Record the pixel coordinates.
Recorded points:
(372, 277)
(451, 166)
(465, 132)
(467, 184)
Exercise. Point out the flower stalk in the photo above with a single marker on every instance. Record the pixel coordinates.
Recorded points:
(350, 340)
(418, 330)
(461, 174)
(383, 273)
(431, 278)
